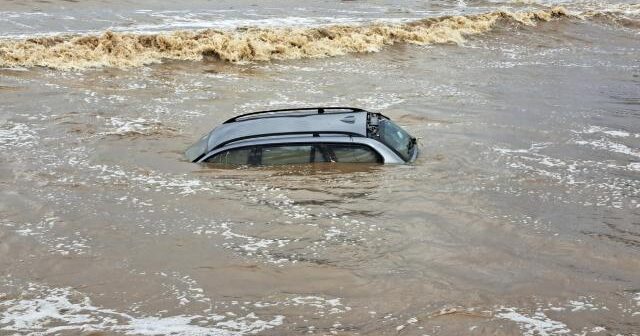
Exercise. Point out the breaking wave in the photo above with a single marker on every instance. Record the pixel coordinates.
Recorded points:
(625, 15)
(124, 50)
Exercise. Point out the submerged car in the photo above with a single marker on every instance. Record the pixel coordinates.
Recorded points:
(305, 135)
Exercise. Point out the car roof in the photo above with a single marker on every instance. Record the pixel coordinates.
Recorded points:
(313, 121)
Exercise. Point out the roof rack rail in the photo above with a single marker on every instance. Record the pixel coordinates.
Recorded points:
(264, 135)
(319, 110)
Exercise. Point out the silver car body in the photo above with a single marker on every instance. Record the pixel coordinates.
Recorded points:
(299, 126)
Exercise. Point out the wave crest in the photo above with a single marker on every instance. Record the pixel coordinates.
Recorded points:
(124, 50)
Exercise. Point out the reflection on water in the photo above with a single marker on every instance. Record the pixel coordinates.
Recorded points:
(520, 215)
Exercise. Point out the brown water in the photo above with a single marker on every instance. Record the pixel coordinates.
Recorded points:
(521, 215)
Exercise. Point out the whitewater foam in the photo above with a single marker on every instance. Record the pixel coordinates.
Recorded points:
(536, 324)
(113, 49)
(55, 310)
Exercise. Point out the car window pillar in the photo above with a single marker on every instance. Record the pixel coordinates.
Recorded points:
(255, 156)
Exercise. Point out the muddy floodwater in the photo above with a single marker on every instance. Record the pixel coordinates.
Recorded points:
(521, 215)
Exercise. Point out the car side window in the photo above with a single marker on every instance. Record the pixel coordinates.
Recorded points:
(235, 157)
(286, 154)
(351, 153)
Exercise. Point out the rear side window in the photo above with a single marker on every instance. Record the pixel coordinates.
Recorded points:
(236, 157)
(351, 153)
(289, 154)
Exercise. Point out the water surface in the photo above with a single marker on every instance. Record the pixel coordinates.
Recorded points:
(521, 215)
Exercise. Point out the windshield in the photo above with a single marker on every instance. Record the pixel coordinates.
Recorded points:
(196, 150)
(397, 138)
